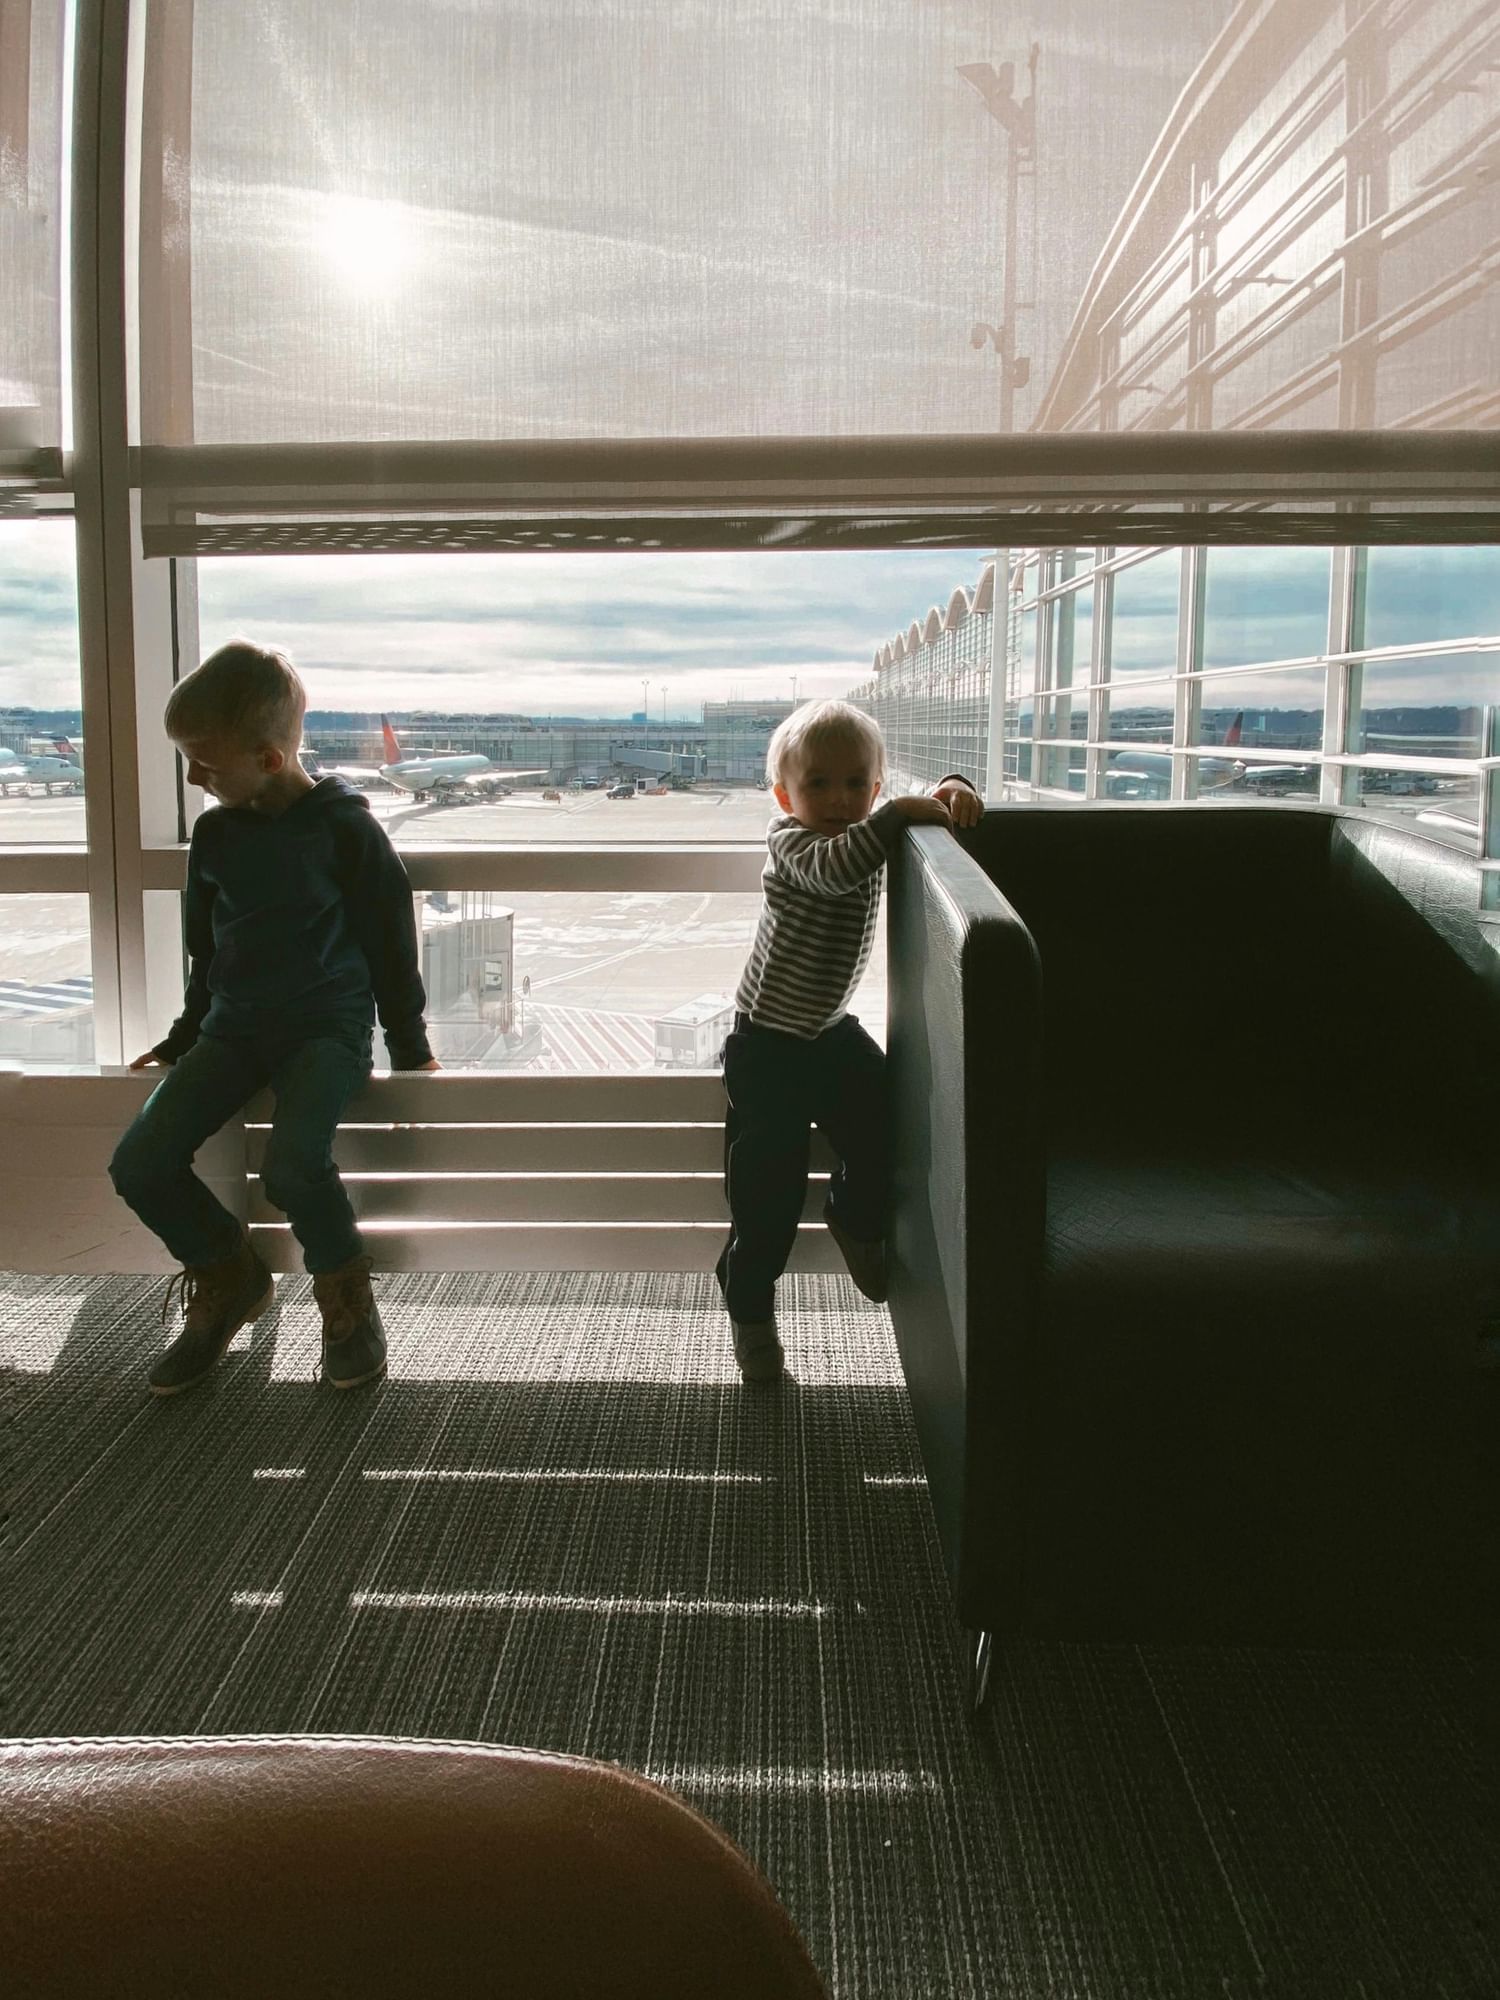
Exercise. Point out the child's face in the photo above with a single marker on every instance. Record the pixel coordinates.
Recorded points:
(232, 773)
(834, 787)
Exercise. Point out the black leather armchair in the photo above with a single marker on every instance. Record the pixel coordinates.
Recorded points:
(1195, 1227)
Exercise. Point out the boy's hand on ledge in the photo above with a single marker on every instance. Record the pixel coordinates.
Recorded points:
(922, 812)
(431, 1063)
(964, 804)
(150, 1060)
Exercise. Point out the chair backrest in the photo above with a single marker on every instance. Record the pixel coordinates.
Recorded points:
(1409, 934)
(1196, 930)
(1231, 951)
(304, 1865)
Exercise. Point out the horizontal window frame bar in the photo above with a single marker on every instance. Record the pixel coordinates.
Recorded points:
(1357, 760)
(728, 870)
(44, 871)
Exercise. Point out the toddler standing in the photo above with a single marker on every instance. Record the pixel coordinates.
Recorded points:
(796, 1057)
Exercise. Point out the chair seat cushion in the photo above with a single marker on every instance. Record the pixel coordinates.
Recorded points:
(1240, 1231)
(1257, 1381)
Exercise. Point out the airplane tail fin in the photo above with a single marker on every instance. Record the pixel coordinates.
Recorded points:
(63, 747)
(392, 747)
(1232, 733)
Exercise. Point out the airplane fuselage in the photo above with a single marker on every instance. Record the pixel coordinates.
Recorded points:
(431, 774)
(41, 771)
(1133, 768)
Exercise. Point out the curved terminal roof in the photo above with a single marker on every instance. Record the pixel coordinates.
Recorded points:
(963, 604)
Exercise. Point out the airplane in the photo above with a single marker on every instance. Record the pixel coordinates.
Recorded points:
(446, 778)
(1148, 773)
(47, 770)
(425, 777)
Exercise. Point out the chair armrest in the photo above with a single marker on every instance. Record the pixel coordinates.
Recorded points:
(969, 1199)
(300, 1866)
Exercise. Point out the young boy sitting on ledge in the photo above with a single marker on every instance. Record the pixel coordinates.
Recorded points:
(299, 927)
(796, 1056)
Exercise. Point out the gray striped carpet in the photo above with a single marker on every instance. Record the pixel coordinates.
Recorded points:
(562, 1522)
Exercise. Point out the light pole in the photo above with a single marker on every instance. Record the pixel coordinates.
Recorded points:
(645, 718)
(997, 88)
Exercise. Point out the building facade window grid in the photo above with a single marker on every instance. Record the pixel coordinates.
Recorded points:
(1302, 224)
(1070, 717)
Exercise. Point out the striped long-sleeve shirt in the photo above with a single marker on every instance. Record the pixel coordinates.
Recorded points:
(819, 901)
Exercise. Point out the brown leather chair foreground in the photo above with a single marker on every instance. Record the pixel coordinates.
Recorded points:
(287, 1866)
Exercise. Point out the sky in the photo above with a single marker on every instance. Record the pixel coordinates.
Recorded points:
(526, 634)
(576, 635)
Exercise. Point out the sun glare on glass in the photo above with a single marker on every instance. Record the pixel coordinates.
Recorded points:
(369, 245)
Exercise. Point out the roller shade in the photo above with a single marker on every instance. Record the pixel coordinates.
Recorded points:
(727, 272)
(31, 76)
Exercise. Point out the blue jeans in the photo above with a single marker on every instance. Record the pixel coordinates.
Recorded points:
(312, 1079)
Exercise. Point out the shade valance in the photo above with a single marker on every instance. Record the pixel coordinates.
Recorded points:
(31, 92)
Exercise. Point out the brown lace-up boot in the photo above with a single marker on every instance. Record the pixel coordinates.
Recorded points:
(353, 1338)
(217, 1300)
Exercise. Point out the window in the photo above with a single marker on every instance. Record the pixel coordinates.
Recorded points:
(1415, 596)
(569, 674)
(513, 690)
(46, 982)
(1264, 604)
(41, 715)
(1143, 616)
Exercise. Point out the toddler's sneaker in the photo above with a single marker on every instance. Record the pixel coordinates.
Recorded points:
(757, 1350)
(217, 1300)
(353, 1338)
(865, 1261)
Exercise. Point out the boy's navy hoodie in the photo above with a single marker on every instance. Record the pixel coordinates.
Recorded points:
(299, 920)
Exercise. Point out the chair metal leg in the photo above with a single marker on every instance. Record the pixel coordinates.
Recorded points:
(979, 1670)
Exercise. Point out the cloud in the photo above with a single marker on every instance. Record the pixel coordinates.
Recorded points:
(543, 634)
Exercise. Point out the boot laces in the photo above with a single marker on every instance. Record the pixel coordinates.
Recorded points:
(182, 1288)
(200, 1290)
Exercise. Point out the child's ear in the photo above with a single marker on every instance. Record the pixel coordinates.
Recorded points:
(272, 759)
(782, 797)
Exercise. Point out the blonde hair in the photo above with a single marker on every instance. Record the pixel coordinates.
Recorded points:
(820, 725)
(250, 693)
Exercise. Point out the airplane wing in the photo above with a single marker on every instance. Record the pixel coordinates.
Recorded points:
(500, 771)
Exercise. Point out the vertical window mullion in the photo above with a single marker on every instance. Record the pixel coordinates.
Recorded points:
(1345, 592)
(104, 529)
(1095, 760)
(1489, 808)
(992, 782)
(1187, 691)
